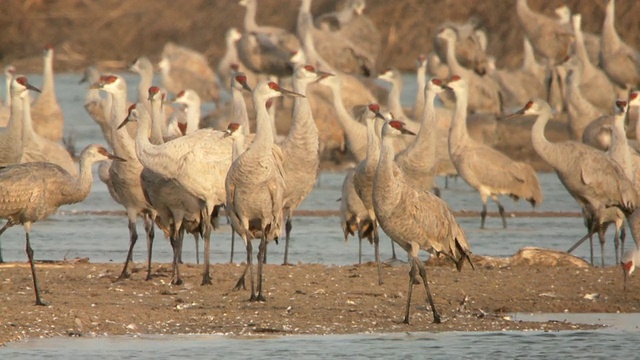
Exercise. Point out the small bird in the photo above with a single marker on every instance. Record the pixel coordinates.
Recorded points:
(31, 192)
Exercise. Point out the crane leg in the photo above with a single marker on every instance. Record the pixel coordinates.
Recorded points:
(175, 245)
(196, 237)
(501, 211)
(602, 240)
(206, 276)
(436, 191)
(412, 277)
(591, 246)
(33, 271)
(483, 214)
(359, 244)
(623, 236)
(233, 241)
(262, 249)
(393, 251)
(133, 237)
(149, 229)
(616, 244)
(376, 245)
(288, 226)
(240, 283)
(4, 228)
(423, 275)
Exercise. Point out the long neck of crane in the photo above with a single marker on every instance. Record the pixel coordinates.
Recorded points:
(458, 135)
(303, 132)
(541, 145)
(240, 114)
(124, 146)
(452, 61)
(193, 117)
(373, 142)
(250, 16)
(7, 83)
(14, 126)
(238, 146)
(143, 146)
(619, 149)
(384, 182)
(425, 142)
(146, 79)
(354, 131)
(264, 138)
(303, 23)
(47, 82)
(84, 182)
(394, 98)
(581, 50)
(418, 106)
(529, 59)
(610, 39)
(157, 122)
(27, 126)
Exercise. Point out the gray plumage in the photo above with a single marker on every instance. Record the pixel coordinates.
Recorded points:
(470, 47)
(484, 96)
(48, 119)
(620, 61)
(255, 187)
(34, 191)
(143, 67)
(300, 150)
(591, 176)
(550, 39)
(416, 220)
(580, 112)
(485, 169)
(11, 147)
(125, 176)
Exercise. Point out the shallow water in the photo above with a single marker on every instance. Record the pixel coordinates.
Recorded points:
(80, 231)
(617, 341)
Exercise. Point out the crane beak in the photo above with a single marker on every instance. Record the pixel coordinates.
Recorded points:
(31, 87)
(380, 116)
(117, 158)
(124, 122)
(246, 87)
(322, 75)
(407, 131)
(227, 133)
(290, 93)
(96, 85)
(84, 79)
(515, 114)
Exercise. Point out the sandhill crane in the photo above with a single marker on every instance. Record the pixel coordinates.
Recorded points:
(519, 85)
(236, 132)
(33, 191)
(594, 84)
(184, 68)
(363, 178)
(620, 61)
(418, 160)
(11, 148)
(265, 49)
(143, 67)
(580, 112)
(180, 125)
(354, 216)
(487, 170)
(40, 149)
(177, 211)
(198, 162)
(421, 72)
(591, 41)
(230, 57)
(591, 176)
(255, 186)
(48, 120)
(630, 259)
(470, 49)
(342, 40)
(550, 39)
(125, 176)
(394, 77)
(300, 149)
(416, 220)
(485, 93)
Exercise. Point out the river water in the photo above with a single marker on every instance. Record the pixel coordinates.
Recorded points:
(96, 229)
